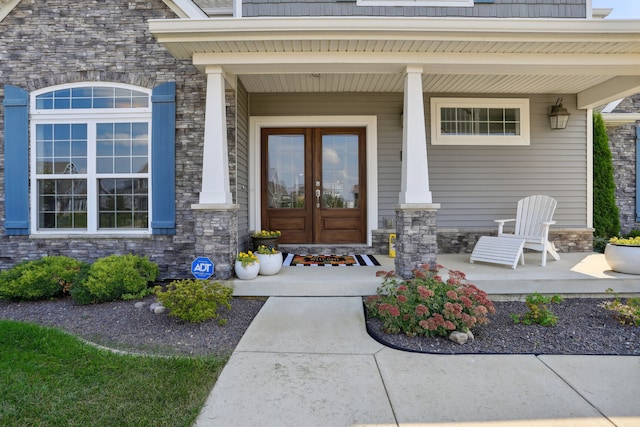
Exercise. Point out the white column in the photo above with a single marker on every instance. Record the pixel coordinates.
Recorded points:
(414, 187)
(215, 161)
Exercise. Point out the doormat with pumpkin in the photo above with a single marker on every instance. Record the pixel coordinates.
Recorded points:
(293, 260)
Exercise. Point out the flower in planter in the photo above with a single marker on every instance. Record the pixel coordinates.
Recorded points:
(267, 250)
(266, 234)
(631, 241)
(247, 258)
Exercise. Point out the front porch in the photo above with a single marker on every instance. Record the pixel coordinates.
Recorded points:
(575, 275)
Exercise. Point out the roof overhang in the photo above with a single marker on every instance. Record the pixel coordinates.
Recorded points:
(597, 60)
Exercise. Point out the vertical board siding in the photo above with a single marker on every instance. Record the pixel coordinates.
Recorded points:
(474, 185)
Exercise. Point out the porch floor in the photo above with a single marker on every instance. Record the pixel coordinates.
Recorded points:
(575, 275)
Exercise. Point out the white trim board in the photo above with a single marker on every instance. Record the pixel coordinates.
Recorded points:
(369, 122)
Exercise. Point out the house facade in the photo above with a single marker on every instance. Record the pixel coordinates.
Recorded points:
(172, 129)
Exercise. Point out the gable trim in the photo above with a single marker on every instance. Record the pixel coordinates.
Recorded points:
(185, 9)
(7, 8)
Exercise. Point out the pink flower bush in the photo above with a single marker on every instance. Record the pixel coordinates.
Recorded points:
(427, 305)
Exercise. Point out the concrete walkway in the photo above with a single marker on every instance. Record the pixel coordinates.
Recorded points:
(308, 361)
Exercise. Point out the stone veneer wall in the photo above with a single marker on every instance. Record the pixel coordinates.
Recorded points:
(622, 141)
(462, 241)
(416, 243)
(55, 42)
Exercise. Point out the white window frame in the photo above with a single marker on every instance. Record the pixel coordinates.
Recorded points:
(437, 3)
(438, 138)
(90, 117)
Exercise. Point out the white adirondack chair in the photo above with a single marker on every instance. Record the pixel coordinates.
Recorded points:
(532, 222)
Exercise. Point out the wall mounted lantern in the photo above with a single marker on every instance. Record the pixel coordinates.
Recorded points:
(559, 116)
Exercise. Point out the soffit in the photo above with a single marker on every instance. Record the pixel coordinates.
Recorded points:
(369, 54)
(432, 83)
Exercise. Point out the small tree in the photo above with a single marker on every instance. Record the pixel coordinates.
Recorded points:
(606, 219)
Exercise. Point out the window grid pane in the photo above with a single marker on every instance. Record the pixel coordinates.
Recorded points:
(123, 203)
(62, 203)
(480, 121)
(61, 149)
(116, 145)
(92, 97)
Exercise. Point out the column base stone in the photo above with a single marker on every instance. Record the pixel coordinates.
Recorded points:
(416, 237)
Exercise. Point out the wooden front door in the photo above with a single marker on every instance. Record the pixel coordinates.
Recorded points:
(313, 184)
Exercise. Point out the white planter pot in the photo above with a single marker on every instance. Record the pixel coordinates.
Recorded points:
(623, 259)
(248, 272)
(270, 264)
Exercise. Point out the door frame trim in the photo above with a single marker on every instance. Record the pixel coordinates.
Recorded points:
(370, 123)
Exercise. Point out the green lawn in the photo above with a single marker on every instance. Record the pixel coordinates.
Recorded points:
(49, 378)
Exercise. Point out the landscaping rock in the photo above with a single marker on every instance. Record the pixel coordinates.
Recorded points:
(159, 309)
(471, 336)
(140, 304)
(459, 337)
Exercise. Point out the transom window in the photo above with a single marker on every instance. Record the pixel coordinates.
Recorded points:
(487, 121)
(92, 97)
(90, 167)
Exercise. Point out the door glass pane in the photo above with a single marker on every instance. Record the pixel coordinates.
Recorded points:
(340, 171)
(285, 171)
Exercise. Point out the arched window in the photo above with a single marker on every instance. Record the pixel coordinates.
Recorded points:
(79, 159)
(90, 158)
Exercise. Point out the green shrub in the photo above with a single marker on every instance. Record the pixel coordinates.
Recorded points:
(428, 306)
(625, 313)
(600, 244)
(538, 311)
(116, 277)
(195, 300)
(633, 233)
(48, 277)
(606, 218)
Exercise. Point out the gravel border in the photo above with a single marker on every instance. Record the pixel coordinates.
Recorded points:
(583, 327)
(122, 326)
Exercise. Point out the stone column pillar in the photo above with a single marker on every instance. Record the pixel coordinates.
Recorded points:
(216, 237)
(416, 234)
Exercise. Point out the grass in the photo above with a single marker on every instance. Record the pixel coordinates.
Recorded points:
(50, 378)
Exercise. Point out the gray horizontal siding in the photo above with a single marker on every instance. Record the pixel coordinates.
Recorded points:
(496, 9)
(474, 185)
(242, 159)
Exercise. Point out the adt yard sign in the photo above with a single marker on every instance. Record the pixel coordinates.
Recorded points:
(202, 268)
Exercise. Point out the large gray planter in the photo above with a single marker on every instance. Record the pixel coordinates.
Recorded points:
(623, 259)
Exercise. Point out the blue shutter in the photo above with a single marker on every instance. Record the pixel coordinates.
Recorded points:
(637, 173)
(163, 158)
(16, 160)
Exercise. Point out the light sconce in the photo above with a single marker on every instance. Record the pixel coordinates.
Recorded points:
(559, 116)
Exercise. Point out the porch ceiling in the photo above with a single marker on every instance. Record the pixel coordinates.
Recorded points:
(432, 83)
(598, 60)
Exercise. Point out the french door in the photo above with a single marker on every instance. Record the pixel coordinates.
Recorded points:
(313, 184)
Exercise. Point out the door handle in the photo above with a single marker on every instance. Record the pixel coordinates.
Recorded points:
(317, 197)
